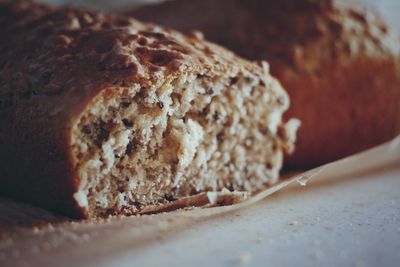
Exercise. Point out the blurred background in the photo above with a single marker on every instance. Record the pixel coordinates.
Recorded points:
(390, 9)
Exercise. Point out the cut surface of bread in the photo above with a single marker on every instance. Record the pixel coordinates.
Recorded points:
(198, 132)
(102, 114)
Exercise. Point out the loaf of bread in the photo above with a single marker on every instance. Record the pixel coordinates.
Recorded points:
(101, 114)
(338, 62)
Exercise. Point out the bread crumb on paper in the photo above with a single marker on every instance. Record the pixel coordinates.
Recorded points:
(245, 258)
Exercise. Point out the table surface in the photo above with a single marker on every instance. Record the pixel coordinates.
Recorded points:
(352, 221)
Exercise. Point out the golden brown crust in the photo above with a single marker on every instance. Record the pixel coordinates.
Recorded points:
(339, 63)
(55, 64)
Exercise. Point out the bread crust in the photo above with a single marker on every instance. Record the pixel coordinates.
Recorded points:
(339, 63)
(54, 64)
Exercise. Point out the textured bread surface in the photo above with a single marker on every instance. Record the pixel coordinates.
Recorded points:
(101, 114)
(338, 62)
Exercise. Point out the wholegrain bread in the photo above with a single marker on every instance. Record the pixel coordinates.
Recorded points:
(338, 61)
(101, 114)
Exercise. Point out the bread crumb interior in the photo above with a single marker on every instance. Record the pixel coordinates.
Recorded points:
(200, 132)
